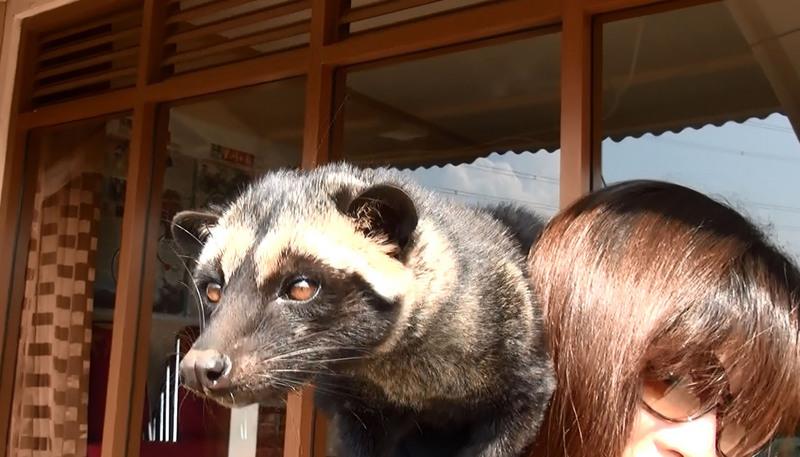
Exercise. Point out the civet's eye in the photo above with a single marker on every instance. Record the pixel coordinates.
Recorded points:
(301, 289)
(213, 292)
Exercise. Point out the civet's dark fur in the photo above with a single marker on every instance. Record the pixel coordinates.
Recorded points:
(436, 345)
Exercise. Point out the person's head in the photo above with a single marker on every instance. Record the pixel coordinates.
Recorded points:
(673, 324)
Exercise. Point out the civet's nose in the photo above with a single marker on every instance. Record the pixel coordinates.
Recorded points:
(206, 370)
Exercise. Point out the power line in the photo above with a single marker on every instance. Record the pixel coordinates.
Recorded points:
(540, 207)
(464, 193)
(772, 206)
(765, 126)
(729, 151)
(518, 174)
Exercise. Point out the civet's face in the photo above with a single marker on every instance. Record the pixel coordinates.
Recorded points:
(293, 283)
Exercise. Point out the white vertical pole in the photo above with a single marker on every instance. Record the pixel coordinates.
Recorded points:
(167, 400)
(161, 418)
(243, 432)
(176, 381)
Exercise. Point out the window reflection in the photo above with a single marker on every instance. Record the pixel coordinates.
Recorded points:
(216, 146)
(697, 96)
(479, 125)
(70, 287)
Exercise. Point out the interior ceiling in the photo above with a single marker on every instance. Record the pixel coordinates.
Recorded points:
(728, 61)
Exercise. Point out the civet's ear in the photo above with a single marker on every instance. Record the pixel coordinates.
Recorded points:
(385, 210)
(190, 229)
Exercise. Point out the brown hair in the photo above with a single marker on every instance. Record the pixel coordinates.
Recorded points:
(647, 275)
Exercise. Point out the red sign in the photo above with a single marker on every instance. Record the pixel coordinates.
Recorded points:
(232, 155)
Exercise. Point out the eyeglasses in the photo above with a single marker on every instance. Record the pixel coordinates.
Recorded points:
(677, 399)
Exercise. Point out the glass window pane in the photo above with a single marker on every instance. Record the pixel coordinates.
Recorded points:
(476, 124)
(70, 285)
(701, 96)
(480, 124)
(204, 34)
(362, 19)
(216, 146)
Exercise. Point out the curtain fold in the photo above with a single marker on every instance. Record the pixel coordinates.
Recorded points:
(52, 376)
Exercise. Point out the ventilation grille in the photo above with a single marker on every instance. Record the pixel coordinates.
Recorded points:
(366, 15)
(87, 59)
(202, 34)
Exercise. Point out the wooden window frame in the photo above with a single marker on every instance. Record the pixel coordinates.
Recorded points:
(330, 50)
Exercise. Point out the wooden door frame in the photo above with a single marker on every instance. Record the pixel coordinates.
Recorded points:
(329, 51)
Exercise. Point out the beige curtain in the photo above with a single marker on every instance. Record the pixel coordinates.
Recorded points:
(52, 377)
